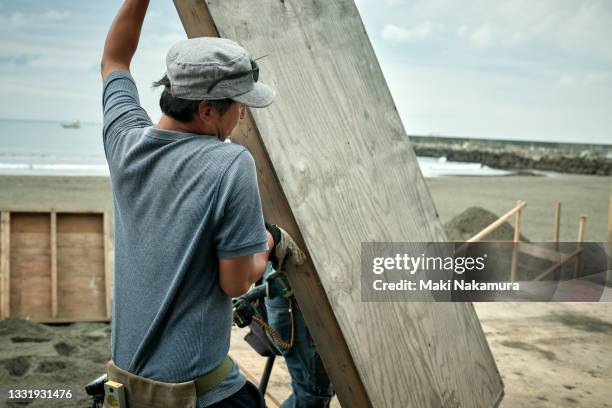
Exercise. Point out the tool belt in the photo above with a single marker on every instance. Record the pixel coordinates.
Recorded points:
(142, 392)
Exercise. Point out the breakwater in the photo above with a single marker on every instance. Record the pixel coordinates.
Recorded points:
(595, 159)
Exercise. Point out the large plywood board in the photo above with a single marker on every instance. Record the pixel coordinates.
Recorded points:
(336, 169)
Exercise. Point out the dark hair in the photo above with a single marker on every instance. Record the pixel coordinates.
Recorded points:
(184, 109)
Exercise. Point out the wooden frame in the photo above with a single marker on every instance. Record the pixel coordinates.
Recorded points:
(559, 259)
(54, 264)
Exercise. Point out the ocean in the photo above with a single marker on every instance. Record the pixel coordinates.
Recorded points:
(46, 148)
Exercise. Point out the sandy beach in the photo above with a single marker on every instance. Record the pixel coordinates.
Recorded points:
(549, 355)
(578, 194)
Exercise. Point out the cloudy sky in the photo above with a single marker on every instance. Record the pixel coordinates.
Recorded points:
(514, 69)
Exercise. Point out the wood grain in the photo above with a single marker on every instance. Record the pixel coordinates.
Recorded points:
(336, 169)
(80, 257)
(306, 285)
(30, 265)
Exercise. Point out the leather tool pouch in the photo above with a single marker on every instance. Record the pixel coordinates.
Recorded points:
(144, 393)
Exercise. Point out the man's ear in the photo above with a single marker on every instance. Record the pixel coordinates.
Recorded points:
(205, 112)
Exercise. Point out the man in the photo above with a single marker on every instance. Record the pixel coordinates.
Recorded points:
(310, 385)
(189, 229)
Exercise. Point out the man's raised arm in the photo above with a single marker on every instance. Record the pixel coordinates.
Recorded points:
(122, 38)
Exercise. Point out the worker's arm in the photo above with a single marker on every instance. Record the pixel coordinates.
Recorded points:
(122, 38)
(241, 240)
(236, 275)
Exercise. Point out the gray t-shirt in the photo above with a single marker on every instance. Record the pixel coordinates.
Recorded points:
(181, 202)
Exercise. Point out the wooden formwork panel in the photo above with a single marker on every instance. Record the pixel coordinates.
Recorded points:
(336, 169)
(54, 266)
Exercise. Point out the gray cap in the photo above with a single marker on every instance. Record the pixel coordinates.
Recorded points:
(210, 68)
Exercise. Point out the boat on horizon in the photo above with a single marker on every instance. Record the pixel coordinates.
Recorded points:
(72, 125)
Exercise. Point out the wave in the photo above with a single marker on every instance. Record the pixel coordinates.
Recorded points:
(75, 166)
(54, 169)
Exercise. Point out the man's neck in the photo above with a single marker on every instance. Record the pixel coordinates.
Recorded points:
(168, 123)
(173, 125)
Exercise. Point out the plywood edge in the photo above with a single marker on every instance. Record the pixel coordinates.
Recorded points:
(107, 273)
(500, 397)
(310, 294)
(53, 264)
(5, 270)
(5, 285)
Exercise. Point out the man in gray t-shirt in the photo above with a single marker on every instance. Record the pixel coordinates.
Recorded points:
(189, 229)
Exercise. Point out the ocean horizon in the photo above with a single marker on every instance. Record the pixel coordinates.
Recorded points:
(45, 148)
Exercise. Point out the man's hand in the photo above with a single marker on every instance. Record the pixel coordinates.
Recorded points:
(123, 35)
(285, 249)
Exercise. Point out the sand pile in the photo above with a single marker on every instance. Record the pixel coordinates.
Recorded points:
(41, 356)
(473, 220)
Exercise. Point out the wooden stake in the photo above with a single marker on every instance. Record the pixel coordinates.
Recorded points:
(517, 222)
(583, 219)
(610, 218)
(557, 228)
(516, 240)
(581, 228)
(5, 259)
(53, 264)
(609, 246)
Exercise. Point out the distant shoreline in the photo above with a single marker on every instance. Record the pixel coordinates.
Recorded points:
(571, 158)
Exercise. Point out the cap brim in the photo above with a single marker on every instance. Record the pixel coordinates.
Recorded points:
(260, 96)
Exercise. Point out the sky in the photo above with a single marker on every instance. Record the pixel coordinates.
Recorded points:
(503, 69)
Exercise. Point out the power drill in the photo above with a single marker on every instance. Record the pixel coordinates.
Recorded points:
(274, 284)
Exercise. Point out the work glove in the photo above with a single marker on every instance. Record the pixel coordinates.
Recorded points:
(285, 249)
